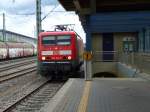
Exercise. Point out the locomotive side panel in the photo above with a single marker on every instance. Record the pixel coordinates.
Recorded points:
(15, 50)
(10, 50)
(28, 50)
(81, 49)
(3, 50)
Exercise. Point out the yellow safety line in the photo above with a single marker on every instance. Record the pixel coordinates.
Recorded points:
(84, 100)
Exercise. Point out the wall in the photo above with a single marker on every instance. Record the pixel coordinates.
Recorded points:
(118, 40)
(119, 21)
(96, 42)
(125, 71)
(99, 66)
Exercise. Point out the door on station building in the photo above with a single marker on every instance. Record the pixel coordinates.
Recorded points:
(108, 47)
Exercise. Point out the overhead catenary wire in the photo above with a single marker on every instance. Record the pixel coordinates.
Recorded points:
(49, 12)
(53, 10)
(33, 13)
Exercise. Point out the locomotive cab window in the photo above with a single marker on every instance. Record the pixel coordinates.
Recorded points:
(56, 40)
(63, 40)
(49, 40)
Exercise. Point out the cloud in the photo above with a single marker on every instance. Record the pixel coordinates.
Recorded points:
(24, 25)
(18, 6)
(23, 6)
(49, 2)
(16, 21)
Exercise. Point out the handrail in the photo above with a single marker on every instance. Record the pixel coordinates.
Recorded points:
(104, 56)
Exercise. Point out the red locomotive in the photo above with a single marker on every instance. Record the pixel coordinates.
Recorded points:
(60, 53)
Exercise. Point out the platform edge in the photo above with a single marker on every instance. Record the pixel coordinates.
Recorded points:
(51, 106)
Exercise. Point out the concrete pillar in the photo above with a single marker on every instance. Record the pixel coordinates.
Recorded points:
(88, 70)
(88, 63)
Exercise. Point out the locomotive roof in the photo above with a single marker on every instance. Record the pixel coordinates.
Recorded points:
(59, 33)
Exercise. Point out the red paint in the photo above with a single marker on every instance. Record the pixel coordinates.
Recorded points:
(56, 48)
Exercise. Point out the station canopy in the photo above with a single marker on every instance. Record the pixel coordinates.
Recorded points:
(88, 6)
(104, 16)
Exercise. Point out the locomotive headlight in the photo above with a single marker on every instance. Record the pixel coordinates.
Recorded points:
(69, 57)
(43, 58)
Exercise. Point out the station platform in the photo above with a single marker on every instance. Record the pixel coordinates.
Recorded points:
(102, 95)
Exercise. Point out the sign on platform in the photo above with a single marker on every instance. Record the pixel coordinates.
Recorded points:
(87, 55)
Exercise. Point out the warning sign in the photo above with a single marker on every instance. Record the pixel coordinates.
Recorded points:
(87, 55)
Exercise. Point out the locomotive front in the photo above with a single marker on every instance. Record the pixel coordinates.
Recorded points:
(57, 53)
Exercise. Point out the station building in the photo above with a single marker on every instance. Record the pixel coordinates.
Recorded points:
(117, 32)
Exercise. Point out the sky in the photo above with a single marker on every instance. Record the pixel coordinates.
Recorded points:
(20, 16)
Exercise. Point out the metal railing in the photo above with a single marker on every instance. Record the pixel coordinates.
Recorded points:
(104, 56)
(140, 61)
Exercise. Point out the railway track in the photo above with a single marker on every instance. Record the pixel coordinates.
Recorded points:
(17, 74)
(35, 99)
(12, 70)
(28, 91)
(17, 64)
(16, 60)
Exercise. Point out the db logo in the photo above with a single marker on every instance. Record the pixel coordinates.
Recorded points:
(55, 52)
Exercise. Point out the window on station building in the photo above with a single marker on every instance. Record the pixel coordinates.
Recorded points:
(129, 44)
(144, 40)
(147, 39)
(141, 41)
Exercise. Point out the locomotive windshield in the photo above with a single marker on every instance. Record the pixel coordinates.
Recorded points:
(63, 40)
(56, 40)
(50, 40)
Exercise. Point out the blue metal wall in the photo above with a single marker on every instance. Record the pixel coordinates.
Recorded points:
(109, 22)
(119, 21)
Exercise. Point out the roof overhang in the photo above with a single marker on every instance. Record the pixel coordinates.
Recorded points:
(89, 6)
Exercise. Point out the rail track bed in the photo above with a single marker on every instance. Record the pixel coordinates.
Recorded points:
(13, 73)
(4, 67)
(31, 98)
(22, 89)
(14, 90)
(13, 70)
(35, 101)
(2, 62)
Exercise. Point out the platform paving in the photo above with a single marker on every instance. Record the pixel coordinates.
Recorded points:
(119, 95)
(106, 95)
